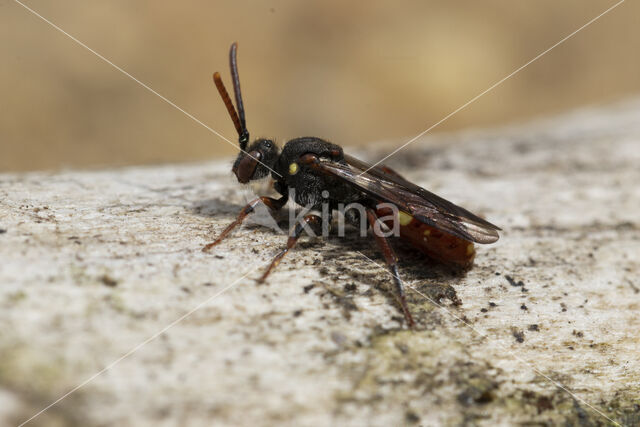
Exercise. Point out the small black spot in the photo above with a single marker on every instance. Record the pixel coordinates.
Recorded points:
(350, 287)
(397, 319)
(518, 335)
(307, 288)
(478, 391)
(524, 307)
(2, 230)
(297, 313)
(563, 306)
(512, 282)
(108, 281)
(411, 417)
(534, 327)
(544, 403)
(207, 284)
(497, 273)
(578, 334)
(484, 310)
(492, 304)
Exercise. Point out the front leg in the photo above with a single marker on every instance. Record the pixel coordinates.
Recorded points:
(273, 204)
(392, 263)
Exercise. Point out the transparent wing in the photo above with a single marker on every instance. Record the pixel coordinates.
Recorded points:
(384, 185)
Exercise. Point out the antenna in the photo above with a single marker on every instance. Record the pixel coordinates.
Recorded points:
(235, 78)
(238, 120)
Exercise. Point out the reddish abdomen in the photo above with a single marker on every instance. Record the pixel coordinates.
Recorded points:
(438, 245)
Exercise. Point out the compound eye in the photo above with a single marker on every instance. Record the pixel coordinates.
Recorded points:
(245, 168)
(267, 144)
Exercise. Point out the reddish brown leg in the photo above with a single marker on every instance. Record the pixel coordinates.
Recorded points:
(273, 204)
(392, 263)
(313, 220)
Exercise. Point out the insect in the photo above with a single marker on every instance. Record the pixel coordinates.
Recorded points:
(312, 166)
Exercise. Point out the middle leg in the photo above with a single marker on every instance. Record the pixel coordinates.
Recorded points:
(273, 204)
(312, 220)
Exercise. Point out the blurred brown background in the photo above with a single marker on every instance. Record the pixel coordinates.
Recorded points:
(351, 72)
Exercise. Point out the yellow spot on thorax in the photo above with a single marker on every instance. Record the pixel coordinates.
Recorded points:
(427, 232)
(404, 218)
(293, 168)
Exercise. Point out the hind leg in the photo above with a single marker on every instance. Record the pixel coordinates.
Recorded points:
(392, 262)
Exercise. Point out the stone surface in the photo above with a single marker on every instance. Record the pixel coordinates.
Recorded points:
(95, 263)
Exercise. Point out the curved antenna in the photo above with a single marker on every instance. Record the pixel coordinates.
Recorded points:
(227, 102)
(233, 64)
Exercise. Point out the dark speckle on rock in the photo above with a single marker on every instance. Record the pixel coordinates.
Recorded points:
(518, 335)
(534, 327)
(544, 403)
(478, 391)
(519, 283)
(3, 230)
(350, 287)
(411, 417)
(108, 281)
